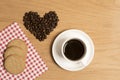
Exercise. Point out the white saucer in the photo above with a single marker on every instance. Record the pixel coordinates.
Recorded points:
(72, 65)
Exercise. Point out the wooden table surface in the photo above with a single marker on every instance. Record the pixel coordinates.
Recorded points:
(100, 19)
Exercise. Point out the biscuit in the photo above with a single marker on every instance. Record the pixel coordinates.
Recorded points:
(15, 56)
(14, 64)
(13, 50)
(19, 43)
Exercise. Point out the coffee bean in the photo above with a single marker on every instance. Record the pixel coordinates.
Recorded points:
(40, 27)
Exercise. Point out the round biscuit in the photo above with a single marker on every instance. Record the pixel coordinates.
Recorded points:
(14, 51)
(19, 43)
(14, 64)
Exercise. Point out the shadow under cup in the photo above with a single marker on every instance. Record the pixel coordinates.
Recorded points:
(74, 49)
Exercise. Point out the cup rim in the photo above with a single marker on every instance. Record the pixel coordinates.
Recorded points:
(63, 45)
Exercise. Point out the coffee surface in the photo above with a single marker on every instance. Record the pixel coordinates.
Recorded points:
(74, 49)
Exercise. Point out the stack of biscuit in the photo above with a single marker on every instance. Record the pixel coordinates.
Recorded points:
(15, 56)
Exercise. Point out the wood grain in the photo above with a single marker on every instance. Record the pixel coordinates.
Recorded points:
(98, 18)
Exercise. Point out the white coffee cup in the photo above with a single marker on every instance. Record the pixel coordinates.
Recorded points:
(64, 44)
(58, 50)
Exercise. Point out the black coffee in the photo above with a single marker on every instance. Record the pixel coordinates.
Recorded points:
(74, 49)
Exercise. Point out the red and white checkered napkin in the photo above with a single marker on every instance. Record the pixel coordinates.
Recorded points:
(34, 63)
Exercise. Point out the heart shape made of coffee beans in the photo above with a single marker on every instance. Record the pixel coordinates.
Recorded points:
(40, 27)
